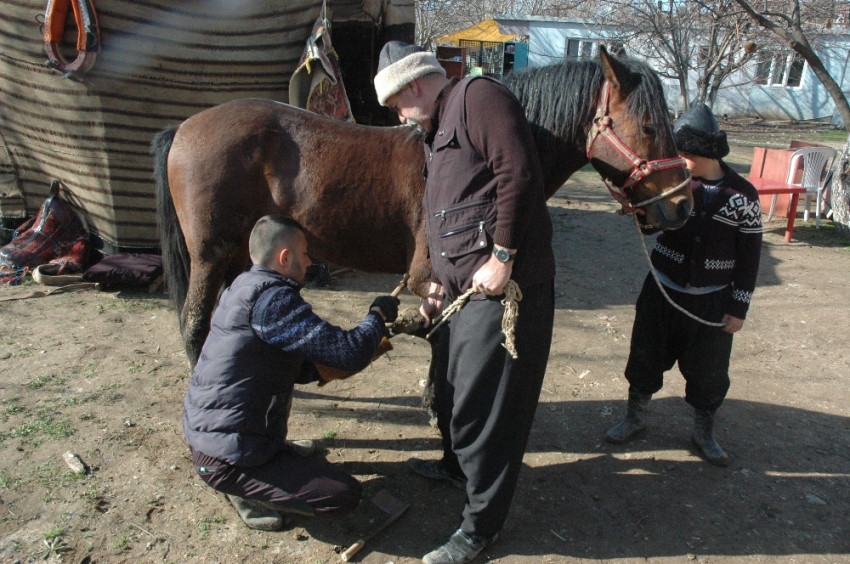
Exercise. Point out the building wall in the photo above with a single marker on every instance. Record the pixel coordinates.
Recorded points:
(808, 101)
(547, 40)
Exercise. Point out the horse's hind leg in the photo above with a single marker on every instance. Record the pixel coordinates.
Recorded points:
(205, 280)
(240, 263)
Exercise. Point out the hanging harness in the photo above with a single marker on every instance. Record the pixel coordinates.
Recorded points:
(88, 36)
(602, 126)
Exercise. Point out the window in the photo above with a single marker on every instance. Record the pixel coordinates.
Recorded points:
(795, 71)
(780, 69)
(579, 48)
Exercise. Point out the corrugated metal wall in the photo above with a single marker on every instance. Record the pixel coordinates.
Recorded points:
(161, 63)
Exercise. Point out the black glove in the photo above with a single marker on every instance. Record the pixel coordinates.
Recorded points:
(388, 305)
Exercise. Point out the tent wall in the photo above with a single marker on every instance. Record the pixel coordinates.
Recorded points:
(162, 61)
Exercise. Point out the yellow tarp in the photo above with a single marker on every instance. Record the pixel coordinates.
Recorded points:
(487, 30)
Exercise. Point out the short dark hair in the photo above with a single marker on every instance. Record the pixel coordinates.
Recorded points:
(270, 233)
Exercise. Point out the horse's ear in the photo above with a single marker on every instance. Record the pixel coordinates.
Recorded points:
(617, 74)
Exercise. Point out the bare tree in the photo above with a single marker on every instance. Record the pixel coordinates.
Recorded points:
(785, 19)
(799, 26)
(662, 32)
(708, 38)
(728, 42)
(433, 20)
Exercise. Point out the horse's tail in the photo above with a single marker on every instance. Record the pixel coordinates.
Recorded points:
(175, 254)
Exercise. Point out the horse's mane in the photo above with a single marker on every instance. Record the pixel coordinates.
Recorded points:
(559, 100)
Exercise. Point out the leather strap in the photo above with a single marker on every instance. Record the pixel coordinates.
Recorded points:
(603, 127)
(88, 36)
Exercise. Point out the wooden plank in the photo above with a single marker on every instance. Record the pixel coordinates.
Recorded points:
(757, 166)
(776, 162)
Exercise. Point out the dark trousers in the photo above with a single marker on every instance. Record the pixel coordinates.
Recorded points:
(287, 480)
(486, 400)
(662, 335)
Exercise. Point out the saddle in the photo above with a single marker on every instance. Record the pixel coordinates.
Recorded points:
(316, 85)
(56, 235)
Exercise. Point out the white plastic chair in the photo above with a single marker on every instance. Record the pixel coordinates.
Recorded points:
(815, 161)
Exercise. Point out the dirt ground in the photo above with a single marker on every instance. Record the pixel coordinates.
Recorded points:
(103, 374)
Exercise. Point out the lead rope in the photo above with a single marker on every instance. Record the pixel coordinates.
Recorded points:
(661, 286)
(513, 295)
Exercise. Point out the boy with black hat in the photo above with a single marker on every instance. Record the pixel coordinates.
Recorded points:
(709, 268)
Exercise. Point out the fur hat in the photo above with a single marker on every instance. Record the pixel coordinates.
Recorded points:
(696, 132)
(400, 64)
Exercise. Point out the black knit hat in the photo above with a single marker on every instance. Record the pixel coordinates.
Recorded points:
(696, 132)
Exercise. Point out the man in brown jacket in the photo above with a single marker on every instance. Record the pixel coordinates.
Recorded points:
(487, 224)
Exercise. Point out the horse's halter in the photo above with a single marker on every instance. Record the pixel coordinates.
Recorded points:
(640, 167)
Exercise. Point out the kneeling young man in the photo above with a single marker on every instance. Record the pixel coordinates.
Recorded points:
(264, 339)
(709, 268)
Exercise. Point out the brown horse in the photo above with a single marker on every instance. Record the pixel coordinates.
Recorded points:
(358, 190)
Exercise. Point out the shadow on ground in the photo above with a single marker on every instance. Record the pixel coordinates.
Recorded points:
(787, 491)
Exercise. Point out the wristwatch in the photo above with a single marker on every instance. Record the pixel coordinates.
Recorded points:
(503, 255)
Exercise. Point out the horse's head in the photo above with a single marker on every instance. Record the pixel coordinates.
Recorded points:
(631, 145)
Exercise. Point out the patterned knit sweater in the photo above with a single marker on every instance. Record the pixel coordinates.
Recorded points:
(284, 320)
(719, 245)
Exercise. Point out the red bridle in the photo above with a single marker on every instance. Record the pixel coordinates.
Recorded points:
(640, 167)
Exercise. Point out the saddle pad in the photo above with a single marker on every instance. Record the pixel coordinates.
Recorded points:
(125, 268)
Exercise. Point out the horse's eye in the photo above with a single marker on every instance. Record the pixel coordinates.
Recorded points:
(649, 130)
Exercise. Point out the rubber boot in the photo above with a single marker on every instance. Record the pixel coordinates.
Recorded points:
(632, 424)
(255, 514)
(704, 438)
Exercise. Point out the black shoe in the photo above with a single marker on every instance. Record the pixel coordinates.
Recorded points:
(460, 549)
(303, 447)
(434, 470)
(256, 514)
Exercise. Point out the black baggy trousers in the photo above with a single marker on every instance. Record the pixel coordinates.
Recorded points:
(288, 480)
(486, 400)
(662, 335)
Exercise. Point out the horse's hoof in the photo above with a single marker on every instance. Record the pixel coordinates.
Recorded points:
(409, 322)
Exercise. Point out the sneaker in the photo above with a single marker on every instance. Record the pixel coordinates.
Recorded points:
(256, 515)
(434, 470)
(305, 447)
(460, 549)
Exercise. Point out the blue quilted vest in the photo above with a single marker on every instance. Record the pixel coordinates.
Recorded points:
(240, 393)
